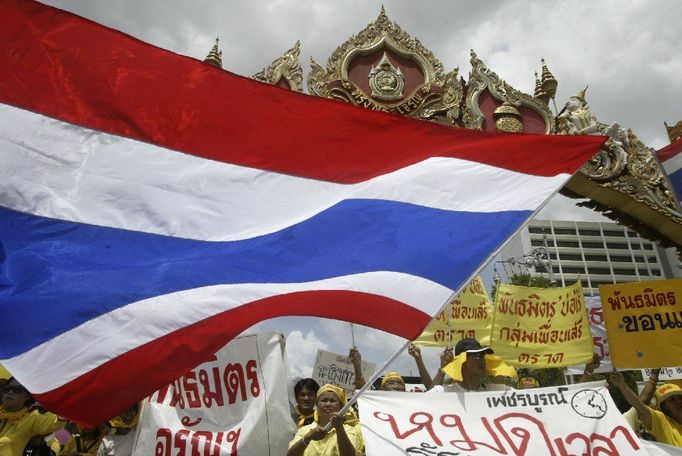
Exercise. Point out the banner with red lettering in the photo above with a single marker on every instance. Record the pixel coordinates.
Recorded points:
(570, 419)
(223, 406)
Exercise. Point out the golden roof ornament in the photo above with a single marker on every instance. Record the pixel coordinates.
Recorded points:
(215, 57)
(508, 118)
(483, 80)
(580, 96)
(284, 71)
(549, 83)
(539, 93)
(406, 78)
(386, 80)
(674, 132)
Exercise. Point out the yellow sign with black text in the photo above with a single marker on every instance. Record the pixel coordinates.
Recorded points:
(541, 327)
(470, 315)
(643, 323)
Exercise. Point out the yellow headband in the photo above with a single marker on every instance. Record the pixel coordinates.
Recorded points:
(340, 392)
(389, 376)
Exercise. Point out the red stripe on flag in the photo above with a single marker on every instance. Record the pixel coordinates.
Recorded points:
(150, 366)
(670, 150)
(70, 68)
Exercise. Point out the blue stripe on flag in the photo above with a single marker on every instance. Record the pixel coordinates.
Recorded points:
(58, 274)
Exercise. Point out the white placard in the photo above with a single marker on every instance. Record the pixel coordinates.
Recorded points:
(338, 370)
(571, 419)
(667, 373)
(224, 406)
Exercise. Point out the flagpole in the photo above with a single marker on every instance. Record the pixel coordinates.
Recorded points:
(454, 294)
(352, 334)
(450, 326)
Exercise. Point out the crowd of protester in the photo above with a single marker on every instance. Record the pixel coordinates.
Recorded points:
(27, 429)
(467, 367)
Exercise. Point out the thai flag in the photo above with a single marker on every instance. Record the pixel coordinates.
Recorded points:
(152, 207)
(671, 159)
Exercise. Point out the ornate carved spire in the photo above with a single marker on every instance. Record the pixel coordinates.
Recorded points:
(539, 93)
(215, 57)
(549, 83)
(284, 71)
(674, 132)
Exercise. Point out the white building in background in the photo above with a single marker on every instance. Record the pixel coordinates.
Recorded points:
(596, 253)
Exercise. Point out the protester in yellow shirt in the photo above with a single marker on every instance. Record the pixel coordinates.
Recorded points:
(342, 439)
(665, 424)
(17, 424)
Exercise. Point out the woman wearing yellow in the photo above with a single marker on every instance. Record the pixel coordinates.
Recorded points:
(342, 439)
(17, 423)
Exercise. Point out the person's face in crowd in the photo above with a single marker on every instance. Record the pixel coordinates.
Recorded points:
(14, 396)
(394, 384)
(305, 400)
(673, 407)
(474, 366)
(328, 404)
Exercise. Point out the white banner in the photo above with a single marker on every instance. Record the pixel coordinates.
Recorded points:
(223, 407)
(338, 370)
(571, 419)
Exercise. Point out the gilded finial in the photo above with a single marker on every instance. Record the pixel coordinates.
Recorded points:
(674, 132)
(581, 95)
(549, 83)
(539, 92)
(215, 57)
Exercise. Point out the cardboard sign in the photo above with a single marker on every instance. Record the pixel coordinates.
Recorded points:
(338, 370)
(470, 315)
(644, 322)
(541, 327)
(571, 419)
(223, 406)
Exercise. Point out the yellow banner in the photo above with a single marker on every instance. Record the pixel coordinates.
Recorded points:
(541, 327)
(643, 322)
(471, 316)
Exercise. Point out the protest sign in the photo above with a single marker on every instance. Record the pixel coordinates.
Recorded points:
(666, 373)
(644, 322)
(541, 327)
(470, 315)
(338, 370)
(223, 406)
(599, 340)
(513, 422)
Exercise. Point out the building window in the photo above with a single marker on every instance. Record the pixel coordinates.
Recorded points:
(622, 271)
(616, 245)
(648, 247)
(635, 247)
(567, 244)
(605, 271)
(656, 272)
(621, 258)
(573, 270)
(593, 245)
(589, 232)
(614, 233)
(570, 257)
(539, 230)
(564, 231)
(596, 258)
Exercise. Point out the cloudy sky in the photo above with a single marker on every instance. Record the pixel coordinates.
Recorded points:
(628, 52)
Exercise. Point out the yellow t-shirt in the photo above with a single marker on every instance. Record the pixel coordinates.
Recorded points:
(665, 429)
(14, 435)
(327, 446)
